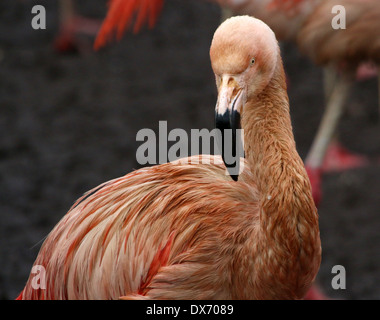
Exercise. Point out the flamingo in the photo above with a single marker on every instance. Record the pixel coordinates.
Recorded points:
(186, 229)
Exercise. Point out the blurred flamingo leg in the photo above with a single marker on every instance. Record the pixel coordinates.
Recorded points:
(72, 25)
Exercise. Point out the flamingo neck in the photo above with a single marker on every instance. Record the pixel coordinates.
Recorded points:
(289, 235)
(269, 142)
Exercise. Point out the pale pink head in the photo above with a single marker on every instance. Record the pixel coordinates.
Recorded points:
(244, 54)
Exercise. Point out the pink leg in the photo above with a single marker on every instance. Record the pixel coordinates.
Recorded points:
(326, 130)
(339, 159)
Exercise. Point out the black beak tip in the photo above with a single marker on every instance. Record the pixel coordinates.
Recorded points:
(235, 177)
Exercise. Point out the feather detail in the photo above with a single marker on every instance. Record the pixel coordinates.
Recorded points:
(160, 259)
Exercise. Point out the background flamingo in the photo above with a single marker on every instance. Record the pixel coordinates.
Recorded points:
(156, 233)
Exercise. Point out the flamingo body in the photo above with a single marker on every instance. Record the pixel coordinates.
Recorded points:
(141, 235)
(111, 242)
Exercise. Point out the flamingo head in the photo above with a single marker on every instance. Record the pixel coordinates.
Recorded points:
(244, 53)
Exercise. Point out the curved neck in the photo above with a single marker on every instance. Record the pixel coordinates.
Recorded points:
(269, 142)
(288, 217)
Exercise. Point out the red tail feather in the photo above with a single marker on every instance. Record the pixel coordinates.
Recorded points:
(141, 15)
(120, 15)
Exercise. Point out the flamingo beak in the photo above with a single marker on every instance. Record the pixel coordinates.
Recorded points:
(227, 121)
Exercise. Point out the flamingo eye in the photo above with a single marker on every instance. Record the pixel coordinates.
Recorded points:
(252, 61)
